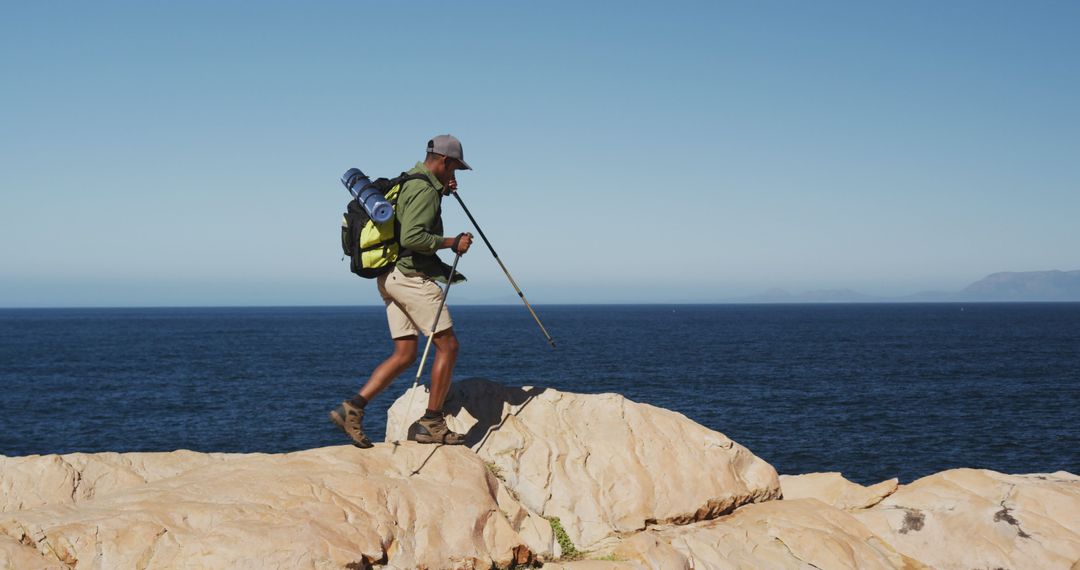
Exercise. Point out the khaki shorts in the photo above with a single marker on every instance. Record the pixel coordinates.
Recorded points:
(411, 303)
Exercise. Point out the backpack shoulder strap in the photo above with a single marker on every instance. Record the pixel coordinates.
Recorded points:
(402, 179)
(407, 177)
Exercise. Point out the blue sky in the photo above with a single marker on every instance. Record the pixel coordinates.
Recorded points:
(160, 153)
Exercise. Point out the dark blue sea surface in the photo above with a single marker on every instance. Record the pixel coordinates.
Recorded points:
(870, 390)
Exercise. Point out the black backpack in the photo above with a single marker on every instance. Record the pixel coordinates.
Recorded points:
(373, 248)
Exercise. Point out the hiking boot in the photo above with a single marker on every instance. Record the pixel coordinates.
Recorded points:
(348, 418)
(434, 431)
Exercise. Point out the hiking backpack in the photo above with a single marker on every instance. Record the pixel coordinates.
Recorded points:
(373, 248)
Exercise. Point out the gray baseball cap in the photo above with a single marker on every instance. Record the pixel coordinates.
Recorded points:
(448, 145)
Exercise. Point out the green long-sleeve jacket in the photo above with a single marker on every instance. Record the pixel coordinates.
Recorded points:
(419, 213)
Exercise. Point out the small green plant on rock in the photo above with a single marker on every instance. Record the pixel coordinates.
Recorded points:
(495, 470)
(569, 551)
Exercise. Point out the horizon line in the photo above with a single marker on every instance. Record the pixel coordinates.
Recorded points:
(584, 304)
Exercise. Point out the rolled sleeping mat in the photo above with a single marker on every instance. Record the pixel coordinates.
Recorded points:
(373, 201)
(376, 205)
(354, 181)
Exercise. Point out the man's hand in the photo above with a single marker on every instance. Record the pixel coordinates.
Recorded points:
(451, 187)
(462, 243)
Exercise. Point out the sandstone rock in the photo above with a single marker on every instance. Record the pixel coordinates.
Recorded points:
(639, 486)
(972, 518)
(35, 480)
(835, 490)
(803, 533)
(320, 508)
(601, 463)
(15, 555)
(592, 565)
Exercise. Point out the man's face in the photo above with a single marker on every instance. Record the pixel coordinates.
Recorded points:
(447, 170)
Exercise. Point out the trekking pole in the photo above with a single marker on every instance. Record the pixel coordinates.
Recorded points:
(427, 347)
(550, 340)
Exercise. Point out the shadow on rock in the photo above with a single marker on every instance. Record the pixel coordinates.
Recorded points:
(487, 401)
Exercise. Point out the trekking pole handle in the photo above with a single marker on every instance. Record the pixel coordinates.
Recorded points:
(457, 242)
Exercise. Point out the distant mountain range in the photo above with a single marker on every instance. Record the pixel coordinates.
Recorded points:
(1004, 286)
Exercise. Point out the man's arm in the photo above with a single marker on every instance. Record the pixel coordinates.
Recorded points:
(417, 215)
(417, 220)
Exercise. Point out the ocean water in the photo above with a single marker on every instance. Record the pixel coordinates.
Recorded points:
(871, 390)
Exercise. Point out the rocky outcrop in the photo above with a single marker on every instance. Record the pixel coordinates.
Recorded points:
(602, 464)
(29, 482)
(974, 518)
(957, 519)
(635, 486)
(803, 533)
(405, 506)
(835, 490)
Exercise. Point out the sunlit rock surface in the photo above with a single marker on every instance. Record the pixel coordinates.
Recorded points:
(405, 506)
(799, 534)
(834, 489)
(602, 464)
(975, 518)
(634, 487)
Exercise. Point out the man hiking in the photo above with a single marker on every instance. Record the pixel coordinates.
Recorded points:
(412, 298)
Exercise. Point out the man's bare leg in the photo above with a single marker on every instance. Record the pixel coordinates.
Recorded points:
(432, 428)
(403, 357)
(446, 351)
(349, 415)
